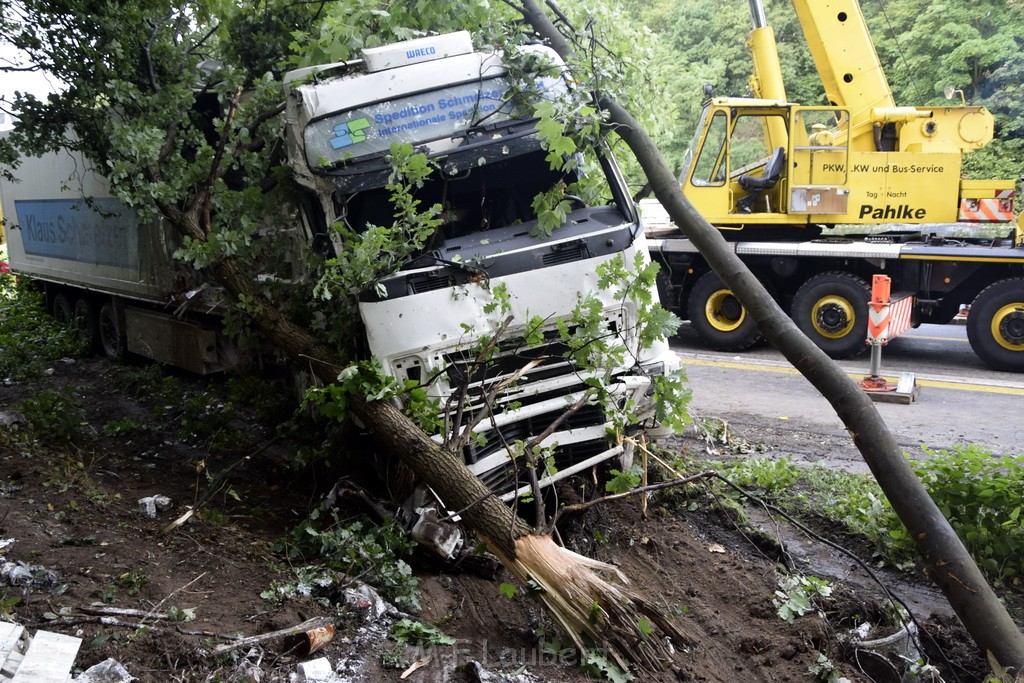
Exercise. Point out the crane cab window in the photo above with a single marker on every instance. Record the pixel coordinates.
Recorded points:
(754, 137)
(710, 166)
(821, 142)
(757, 161)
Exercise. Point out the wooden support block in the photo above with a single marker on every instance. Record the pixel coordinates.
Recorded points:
(49, 659)
(906, 391)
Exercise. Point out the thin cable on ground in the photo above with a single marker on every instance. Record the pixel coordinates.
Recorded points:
(863, 565)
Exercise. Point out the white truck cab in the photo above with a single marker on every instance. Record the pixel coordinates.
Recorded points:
(453, 103)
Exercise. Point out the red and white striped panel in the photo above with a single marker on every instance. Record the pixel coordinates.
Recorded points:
(890, 320)
(995, 210)
(901, 315)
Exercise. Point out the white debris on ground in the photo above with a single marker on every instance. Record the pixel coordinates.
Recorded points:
(31, 577)
(108, 671)
(315, 671)
(149, 505)
(478, 674)
(377, 616)
(11, 419)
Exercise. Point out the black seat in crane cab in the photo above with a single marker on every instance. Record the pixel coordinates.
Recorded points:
(756, 185)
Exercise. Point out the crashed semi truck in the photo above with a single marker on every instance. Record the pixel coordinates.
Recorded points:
(116, 277)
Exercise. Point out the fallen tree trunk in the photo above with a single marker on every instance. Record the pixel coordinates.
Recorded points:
(591, 600)
(946, 560)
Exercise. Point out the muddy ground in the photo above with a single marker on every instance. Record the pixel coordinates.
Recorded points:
(72, 509)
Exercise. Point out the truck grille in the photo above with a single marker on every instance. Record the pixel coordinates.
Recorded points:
(553, 375)
(426, 283)
(588, 416)
(502, 480)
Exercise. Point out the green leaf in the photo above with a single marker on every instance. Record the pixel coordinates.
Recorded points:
(410, 632)
(622, 482)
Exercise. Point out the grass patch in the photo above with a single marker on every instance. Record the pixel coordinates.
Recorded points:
(53, 414)
(31, 340)
(980, 493)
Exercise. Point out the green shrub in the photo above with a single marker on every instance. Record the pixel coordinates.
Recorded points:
(764, 475)
(52, 414)
(982, 496)
(30, 339)
(150, 381)
(122, 426)
(357, 547)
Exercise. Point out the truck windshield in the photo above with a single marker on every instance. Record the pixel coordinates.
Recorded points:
(369, 131)
(475, 199)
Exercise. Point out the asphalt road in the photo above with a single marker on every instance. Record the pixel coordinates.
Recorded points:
(763, 398)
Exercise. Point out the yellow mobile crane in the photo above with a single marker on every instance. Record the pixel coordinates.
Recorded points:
(772, 174)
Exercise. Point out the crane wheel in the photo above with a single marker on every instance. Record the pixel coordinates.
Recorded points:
(995, 325)
(832, 310)
(717, 316)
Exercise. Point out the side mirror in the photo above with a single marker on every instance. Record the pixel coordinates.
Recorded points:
(949, 91)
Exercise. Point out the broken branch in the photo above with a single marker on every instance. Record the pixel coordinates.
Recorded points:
(580, 507)
(308, 625)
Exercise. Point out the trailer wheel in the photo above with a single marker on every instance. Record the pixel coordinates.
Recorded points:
(87, 323)
(718, 317)
(62, 310)
(832, 310)
(112, 339)
(995, 325)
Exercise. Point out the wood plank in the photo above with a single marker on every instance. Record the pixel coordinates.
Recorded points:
(49, 658)
(11, 665)
(10, 634)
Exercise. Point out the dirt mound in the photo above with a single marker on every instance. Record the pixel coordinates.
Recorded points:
(73, 509)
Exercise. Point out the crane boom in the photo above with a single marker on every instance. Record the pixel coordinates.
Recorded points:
(844, 54)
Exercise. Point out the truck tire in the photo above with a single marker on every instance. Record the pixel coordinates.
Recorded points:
(995, 325)
(62, 309)
(112, 338)
(717, 316)
(87, 323)
(832, 310)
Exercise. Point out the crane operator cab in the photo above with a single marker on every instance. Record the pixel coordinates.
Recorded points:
(765, 162)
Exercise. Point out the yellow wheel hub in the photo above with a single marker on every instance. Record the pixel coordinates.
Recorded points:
(724, 312)
(1008, 326)
(833, 317)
